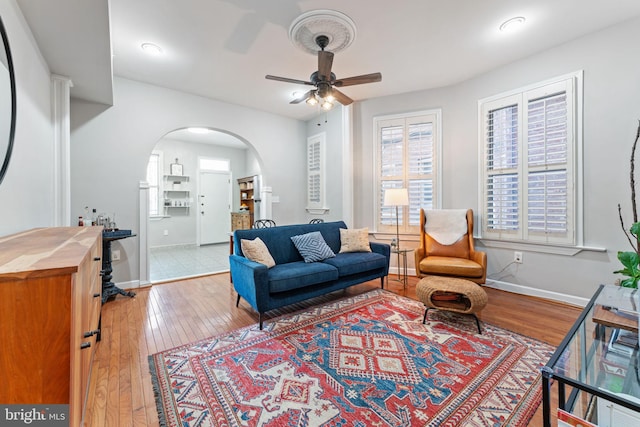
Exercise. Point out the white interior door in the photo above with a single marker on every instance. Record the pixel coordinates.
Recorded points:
(214, 207)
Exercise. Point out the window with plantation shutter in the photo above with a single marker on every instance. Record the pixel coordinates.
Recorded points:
(315, 174)
(530, 142)
(406, 158)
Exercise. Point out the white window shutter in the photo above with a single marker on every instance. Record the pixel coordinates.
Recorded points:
(316, 191)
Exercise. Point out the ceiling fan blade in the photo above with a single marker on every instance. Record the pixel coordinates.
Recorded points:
(302, 97)
(358, 80)
(325, 61)
(341, 97)
(287, 80)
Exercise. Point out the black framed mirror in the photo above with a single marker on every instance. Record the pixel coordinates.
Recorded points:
(7, 103)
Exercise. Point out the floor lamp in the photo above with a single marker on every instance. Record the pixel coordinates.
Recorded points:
(396, 197)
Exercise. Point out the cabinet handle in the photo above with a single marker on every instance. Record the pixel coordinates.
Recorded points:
(85, 345)
(96, 258)
(96, 295)
(91, 333)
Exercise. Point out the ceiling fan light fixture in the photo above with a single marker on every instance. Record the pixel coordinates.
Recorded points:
(312, 100)
(327, 105)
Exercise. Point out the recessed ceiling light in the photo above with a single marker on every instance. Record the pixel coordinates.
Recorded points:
(512, 24)
(151, 49)
(199, 130)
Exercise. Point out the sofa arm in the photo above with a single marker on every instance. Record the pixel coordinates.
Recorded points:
(382, 249)
(250, 280)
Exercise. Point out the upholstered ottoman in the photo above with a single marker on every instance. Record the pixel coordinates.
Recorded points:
(451, 294)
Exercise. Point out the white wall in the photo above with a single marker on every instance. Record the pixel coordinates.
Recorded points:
(26, 194)
(110, 149)
(611, 63)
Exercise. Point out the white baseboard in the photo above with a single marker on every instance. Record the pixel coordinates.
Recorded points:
(394, 270)
(133, 284)
(525, 290)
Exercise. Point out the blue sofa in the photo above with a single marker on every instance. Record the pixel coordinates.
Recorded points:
(292, 280)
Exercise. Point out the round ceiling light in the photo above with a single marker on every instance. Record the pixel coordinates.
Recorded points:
(512, 24)
(198, 130)
(338, 27)
(151, 48)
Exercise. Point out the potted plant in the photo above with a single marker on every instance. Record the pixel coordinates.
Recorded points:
(631, 259)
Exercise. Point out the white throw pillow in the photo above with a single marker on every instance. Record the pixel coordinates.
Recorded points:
(257, 251)
(355, 240)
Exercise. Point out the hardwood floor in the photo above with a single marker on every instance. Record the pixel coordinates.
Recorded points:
(176, 313)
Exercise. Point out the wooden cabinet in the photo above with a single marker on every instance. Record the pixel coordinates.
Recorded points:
(240, 221)
(247, 196)
(50, 300)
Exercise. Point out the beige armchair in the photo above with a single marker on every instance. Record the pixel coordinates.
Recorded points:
(459, 259)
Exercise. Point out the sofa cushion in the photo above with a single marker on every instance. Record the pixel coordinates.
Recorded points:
(357, 262)
(312, 246)
(354, 240)
(257, 251)
(295, 275)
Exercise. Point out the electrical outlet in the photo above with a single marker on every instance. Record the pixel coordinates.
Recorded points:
(517, 257)
(115, 255)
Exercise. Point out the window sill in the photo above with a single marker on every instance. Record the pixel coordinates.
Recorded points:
(158, 217)
(537, 247)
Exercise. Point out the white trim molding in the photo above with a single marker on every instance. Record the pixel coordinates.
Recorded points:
(61, 113)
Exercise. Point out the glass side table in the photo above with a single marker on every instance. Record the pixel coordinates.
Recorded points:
(402, 267)
(596, 365)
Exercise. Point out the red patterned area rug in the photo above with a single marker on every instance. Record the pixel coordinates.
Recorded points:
(360, 361)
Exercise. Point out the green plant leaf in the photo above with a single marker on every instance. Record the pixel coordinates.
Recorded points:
(630, 260)
(635, 229)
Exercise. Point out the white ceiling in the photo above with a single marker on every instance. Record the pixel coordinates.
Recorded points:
(222, 49)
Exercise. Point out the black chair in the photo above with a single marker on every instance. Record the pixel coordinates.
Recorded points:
(316, 221)
(264, 223)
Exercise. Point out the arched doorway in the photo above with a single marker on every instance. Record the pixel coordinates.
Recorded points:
(185, 166)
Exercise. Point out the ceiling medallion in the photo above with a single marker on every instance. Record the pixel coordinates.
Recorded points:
(338, 27)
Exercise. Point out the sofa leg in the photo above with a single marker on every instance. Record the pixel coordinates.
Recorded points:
(424, 319)
(238, 300)
(382, 282)
(260, 320)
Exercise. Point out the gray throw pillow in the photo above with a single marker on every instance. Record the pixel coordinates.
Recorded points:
(312, 247)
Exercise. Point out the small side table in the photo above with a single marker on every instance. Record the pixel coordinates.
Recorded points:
(109, 289)
(402, 268)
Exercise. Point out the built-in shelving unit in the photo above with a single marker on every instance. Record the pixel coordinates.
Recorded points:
(247, 196)
(177, 195)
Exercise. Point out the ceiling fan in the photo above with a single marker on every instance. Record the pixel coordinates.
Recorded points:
(325, 82)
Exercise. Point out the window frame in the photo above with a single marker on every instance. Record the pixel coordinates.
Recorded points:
(316, 174)
(159, 188)
(572, 85)
(433, 116)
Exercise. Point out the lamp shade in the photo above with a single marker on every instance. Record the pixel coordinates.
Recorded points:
(396, 197)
